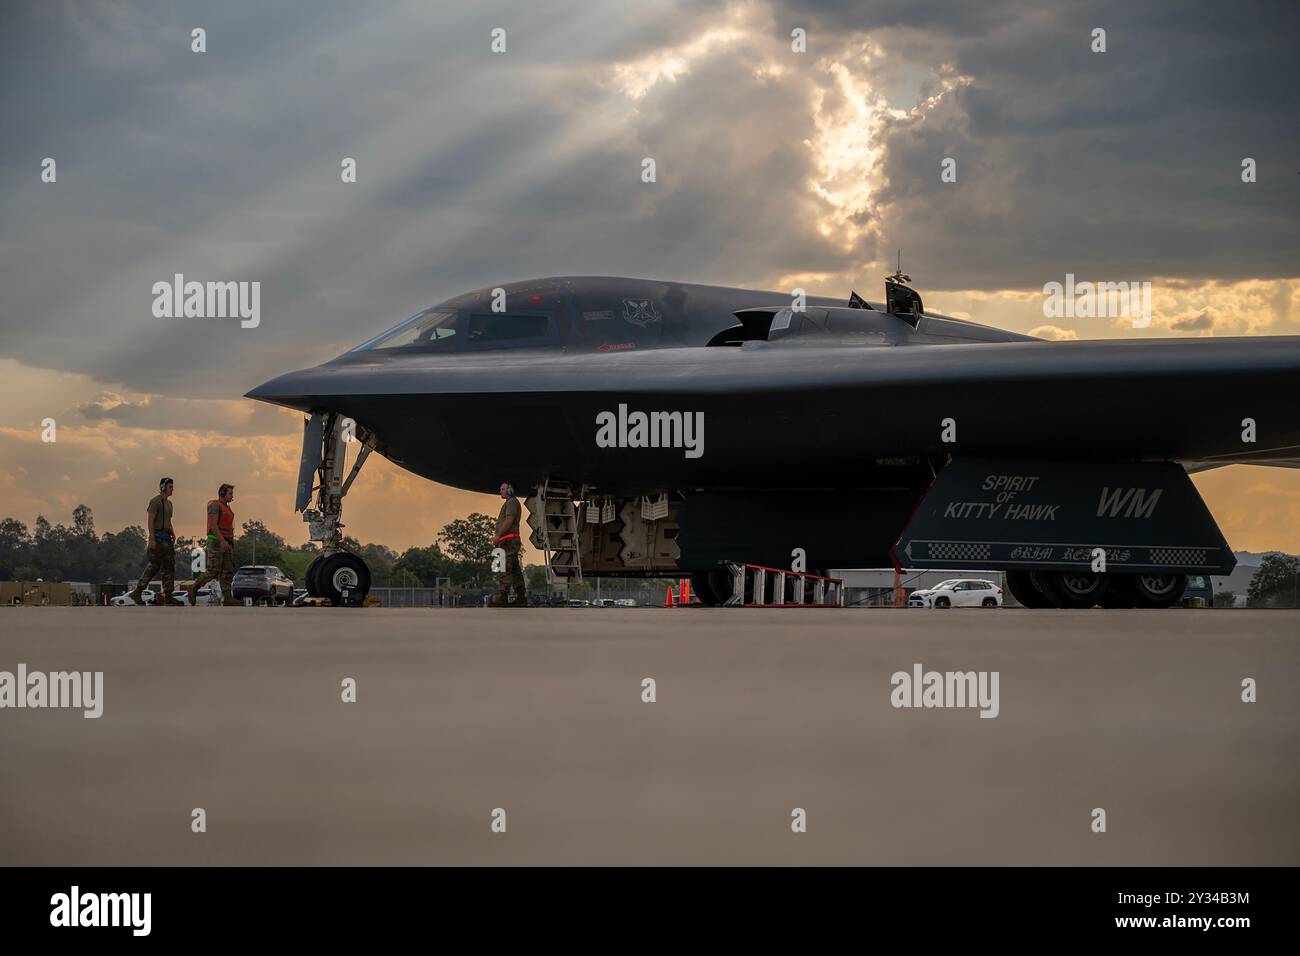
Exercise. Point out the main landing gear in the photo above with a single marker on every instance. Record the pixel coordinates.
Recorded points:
(1082, 589)
(336, 574)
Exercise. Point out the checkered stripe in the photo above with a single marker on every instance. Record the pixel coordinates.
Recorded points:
(1176, 556)
(958, 551)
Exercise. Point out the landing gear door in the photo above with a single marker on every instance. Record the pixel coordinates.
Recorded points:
(1136, 517)
(312, 433)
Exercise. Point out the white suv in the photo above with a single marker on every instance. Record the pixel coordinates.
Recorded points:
(959, 592)
(124, 599)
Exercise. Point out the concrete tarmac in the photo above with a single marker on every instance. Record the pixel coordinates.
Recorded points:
(539, 713)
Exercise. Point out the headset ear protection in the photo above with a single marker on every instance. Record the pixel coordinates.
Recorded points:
(510, 489)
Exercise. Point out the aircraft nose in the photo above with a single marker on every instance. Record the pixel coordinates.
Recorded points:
(293, 390)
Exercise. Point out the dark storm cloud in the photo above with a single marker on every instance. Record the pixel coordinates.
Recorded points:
(179, 414)
(225, 166)
(1193, 323)
(1111, 164)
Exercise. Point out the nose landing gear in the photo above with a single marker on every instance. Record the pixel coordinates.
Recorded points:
(336, 574)
(342, 577)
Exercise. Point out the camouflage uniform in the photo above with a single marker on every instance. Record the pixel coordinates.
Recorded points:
(507, 539)
(219, 559)
(162, 557)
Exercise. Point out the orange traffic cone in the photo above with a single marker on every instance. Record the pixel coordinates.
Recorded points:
(668, 598)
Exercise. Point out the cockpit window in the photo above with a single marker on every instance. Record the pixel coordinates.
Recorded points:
(500, 326)
(426, 328)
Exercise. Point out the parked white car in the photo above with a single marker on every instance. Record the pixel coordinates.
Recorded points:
(124, 599)
(206, 595)
(958, 592)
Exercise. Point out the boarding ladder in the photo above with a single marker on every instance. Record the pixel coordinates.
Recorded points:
(755, 585)
(558, 530)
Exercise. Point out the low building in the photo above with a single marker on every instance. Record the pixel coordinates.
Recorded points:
(36, 593)
(874, 587)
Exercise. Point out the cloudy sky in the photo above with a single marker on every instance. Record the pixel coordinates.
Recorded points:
(775, 169)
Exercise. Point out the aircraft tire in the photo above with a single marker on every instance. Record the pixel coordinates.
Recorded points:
(1024, 588)
(702, 588)
(309, 579)
(1117, 595)
(1155, 590)
(1075, 589)
(342, 570)
(720, 585)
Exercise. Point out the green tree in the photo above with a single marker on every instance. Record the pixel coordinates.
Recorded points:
(81, 546)
(121, 555)
(15, 548)
(83, 522)
(1277, 581)
(294, 564)
(535, 579)
(469, 542)
(424, 565)
(258, 544)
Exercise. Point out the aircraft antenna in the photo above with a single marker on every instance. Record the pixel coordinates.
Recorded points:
(899, 275)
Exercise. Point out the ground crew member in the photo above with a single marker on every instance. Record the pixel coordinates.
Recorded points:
(161, 547)
(220, 552)
(507, 539)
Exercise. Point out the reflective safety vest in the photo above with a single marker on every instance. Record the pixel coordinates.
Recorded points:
(225, 519)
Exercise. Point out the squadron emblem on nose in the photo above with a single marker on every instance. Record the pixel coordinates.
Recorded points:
(640, 312)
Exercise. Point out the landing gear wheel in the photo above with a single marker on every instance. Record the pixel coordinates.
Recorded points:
(1156, 590)
(309, 579)
(720, 584)
(1117, 594)
(1075, 589)
(702, 588)
(1024, 587)
(339, 572)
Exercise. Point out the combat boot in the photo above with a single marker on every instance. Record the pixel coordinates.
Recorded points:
(136, 597)
(192, 591)
(169, 600)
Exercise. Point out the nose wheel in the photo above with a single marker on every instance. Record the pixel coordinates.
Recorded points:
(342, 577)
(338, 575)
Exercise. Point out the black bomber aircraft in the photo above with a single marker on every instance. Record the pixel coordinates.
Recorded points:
(664, 428)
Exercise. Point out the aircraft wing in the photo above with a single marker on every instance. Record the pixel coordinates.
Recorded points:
(1175, 399)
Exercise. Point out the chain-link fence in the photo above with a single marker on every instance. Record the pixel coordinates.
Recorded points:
(426, 597)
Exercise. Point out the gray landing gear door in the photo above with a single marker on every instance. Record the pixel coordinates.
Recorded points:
(313, 432)
(1142, 517)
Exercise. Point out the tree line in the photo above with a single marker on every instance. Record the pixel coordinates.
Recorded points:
(461, 552)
